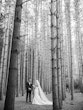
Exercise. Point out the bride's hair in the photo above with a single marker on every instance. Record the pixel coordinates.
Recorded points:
(37, 82)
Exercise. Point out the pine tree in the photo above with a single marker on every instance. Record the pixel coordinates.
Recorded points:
(69, 28)
(10, 93)
(54, 53)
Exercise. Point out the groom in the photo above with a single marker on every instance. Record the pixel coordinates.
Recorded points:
(28, 90)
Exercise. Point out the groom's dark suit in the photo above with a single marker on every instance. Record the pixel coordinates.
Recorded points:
(28, 91)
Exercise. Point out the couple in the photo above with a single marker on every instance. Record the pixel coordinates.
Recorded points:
(39, 97)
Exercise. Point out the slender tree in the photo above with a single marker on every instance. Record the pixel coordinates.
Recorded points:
(68, 22)
(54, 53)
(21, 70)
(35, 46)
(33, 67)
(2, 39)
(17, 83)
(62, 53)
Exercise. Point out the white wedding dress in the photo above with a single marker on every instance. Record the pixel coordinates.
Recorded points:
(39, 96)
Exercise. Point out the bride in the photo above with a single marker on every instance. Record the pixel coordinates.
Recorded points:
(39, 96)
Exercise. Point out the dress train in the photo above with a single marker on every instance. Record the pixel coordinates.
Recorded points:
(39, 96)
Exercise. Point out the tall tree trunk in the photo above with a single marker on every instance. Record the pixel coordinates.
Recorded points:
(1, 63)
(17, 84)
(13, 70)
(54, 52)
(8, 45)
(2, 42)
(26, 69)
(62, 52)
(59, 39)
(21, 72)
(29, 62)
(41, 76)
(68, 21)
(33, 67)
(8, 57)
(35, 45)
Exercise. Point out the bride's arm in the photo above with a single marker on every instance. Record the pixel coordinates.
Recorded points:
(34, 86)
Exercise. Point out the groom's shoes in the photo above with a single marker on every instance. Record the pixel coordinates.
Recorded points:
(30, 102)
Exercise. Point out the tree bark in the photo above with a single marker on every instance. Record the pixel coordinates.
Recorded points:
(68, 22)
(54, 53)
(13, 70)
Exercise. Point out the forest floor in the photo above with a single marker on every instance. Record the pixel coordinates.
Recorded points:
(76, 104)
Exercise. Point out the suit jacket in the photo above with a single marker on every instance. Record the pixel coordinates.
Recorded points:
(29, 86)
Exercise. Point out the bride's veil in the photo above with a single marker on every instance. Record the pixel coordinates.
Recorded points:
(42, 95)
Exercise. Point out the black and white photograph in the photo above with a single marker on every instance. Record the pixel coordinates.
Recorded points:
(41, 54)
